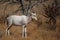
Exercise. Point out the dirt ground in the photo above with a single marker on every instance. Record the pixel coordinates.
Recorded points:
(33, 31)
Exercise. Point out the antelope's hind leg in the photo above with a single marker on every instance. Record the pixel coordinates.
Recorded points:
(7, 29)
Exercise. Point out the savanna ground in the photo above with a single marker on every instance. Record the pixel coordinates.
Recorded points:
(33, 31)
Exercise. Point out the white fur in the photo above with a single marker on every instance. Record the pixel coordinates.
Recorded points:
(20, 20)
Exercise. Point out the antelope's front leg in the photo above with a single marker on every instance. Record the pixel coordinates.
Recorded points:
(24, 34)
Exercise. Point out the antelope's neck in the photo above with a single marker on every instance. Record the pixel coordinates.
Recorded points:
(29, 18)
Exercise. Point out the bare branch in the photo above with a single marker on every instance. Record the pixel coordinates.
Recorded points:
(33, 3)
(6, 7)
(37, 2)
(28, 7)
(21, 2)
(52, 11)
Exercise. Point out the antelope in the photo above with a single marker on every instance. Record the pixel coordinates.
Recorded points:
(22, 20)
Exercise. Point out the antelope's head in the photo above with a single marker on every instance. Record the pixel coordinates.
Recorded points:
(34, 16)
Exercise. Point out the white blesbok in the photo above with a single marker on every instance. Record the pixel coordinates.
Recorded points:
(20, 20)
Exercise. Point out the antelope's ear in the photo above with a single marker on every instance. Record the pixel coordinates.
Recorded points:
(33, 13)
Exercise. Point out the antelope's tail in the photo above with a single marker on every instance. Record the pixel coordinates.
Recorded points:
(5, 19)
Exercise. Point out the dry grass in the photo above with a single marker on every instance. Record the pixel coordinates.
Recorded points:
(33, 32)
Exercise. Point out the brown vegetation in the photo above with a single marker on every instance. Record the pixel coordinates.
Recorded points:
(34, 32)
